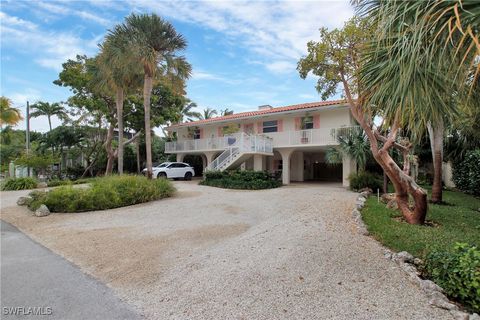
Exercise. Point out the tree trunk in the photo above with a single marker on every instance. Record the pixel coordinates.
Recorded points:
(147, 91)
(385, 182)
(108, 148)
(436, 141)
(137, 151)
(119, 103)
(49, 122)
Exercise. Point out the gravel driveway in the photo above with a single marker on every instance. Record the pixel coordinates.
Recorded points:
(208, 253)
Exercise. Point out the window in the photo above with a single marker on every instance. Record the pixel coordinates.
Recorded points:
(270, 126)
(307, 123)
(196, 134)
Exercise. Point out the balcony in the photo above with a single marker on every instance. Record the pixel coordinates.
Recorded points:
(262, 142)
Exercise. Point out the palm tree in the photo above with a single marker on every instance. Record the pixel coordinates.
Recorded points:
(408, 67)
(354, 143)
(120, 74)
(49, 110)
(226, 112)
(207, 114)
(153, 42)
(187, 112)
(9, 114)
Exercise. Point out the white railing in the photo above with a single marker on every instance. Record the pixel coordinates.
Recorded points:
(250, 143)
(239, 144)
(320, 137)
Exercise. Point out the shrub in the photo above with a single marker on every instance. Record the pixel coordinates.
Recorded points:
(246, 179)
(103, 193)
(466, 174)
(19, 184)
(457, 272)
(364, 179)
(58, 182)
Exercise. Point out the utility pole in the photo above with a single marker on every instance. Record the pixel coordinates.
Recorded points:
(28, 135)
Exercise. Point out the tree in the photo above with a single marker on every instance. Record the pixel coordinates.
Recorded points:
(354, 143)
(226, 112)
(154, 42)
(207, 114)
(187, 112)
(48, 110)
(410, 65)
(336, 60)
(121, 74)
(9, 115)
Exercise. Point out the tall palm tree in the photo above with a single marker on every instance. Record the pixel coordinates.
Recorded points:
(153, 42)
(49, 110)
(207, 114)
(9, 115)
(187, 112)
(408, 67)
(120, 74)
(226, 112)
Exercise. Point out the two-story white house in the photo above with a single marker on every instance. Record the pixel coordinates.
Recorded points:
(290, 140)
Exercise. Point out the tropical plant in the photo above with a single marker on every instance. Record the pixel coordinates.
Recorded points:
(226, 112)
(336, 59)
(207, 114)
(8, 114)
(120, 73)
(48, 110)
(187, 112)
(408, 67)
(154, 42)
(352, 142)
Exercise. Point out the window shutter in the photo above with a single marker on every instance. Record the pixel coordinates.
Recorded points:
(280, 125)
(259, 127)
(219, 132)
(316, 122)
(201, 133)
(298, 123)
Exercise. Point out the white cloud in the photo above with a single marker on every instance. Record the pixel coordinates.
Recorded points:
(63, 10)
(274, 30)
(51, 48)
(14, 21)
(281, 66)
(19, 99)
(308, 96)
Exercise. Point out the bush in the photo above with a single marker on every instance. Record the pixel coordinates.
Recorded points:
(246, 179)
(364, 179)
(457, 272)
(19, 184)
(58, 182)
(466, 174)
(103, 193)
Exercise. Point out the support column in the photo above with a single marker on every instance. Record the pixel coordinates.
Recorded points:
(209, 156)
(348, 167)
(300, 167)
(180, 157)
(286, 155)
(204, 161)
(258, 163)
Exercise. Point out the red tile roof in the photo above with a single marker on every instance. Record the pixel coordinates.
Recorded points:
(247, 114)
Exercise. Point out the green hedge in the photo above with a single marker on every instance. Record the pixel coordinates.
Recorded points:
(241, 179)
(457, 272)
(58, 182)
(19, 184)
(103, 193)
(466, 174)
(364, 179)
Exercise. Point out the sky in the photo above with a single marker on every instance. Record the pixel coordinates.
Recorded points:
(243, 54)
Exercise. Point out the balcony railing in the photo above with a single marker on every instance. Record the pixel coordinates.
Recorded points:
(262, 142)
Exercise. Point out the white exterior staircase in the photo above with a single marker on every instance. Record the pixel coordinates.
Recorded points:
(241, 147)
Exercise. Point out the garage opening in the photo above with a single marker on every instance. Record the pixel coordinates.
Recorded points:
(316, 169)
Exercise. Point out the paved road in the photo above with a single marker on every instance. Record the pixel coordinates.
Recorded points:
(34, 277)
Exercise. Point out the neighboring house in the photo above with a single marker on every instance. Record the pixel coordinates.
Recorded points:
(290, 140)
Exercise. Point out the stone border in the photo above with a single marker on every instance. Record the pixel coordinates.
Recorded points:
(409, 265)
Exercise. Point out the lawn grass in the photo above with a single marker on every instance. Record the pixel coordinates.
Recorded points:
(459, 221)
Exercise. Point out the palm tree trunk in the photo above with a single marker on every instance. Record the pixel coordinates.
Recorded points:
(49, 122)
(108, 148)
(147, 91)
(436, 142)
(119, 103)
(137, 151)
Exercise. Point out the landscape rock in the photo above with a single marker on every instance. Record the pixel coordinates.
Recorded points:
(429, 286)
(42, 185)
(42, 211)
(366, 191)
(362, 199)
(392, 204)
(387, 197)
(23, 201)
(474, 316)
(403, 256)
(443, 303)
(417, 262)
(459, 315)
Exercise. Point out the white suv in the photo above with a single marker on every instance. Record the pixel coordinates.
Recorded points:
(172, 170)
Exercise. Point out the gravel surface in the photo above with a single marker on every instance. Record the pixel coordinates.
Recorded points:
(208, 253)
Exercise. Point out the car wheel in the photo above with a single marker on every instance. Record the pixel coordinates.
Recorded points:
(161, 175)
(188, 176)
